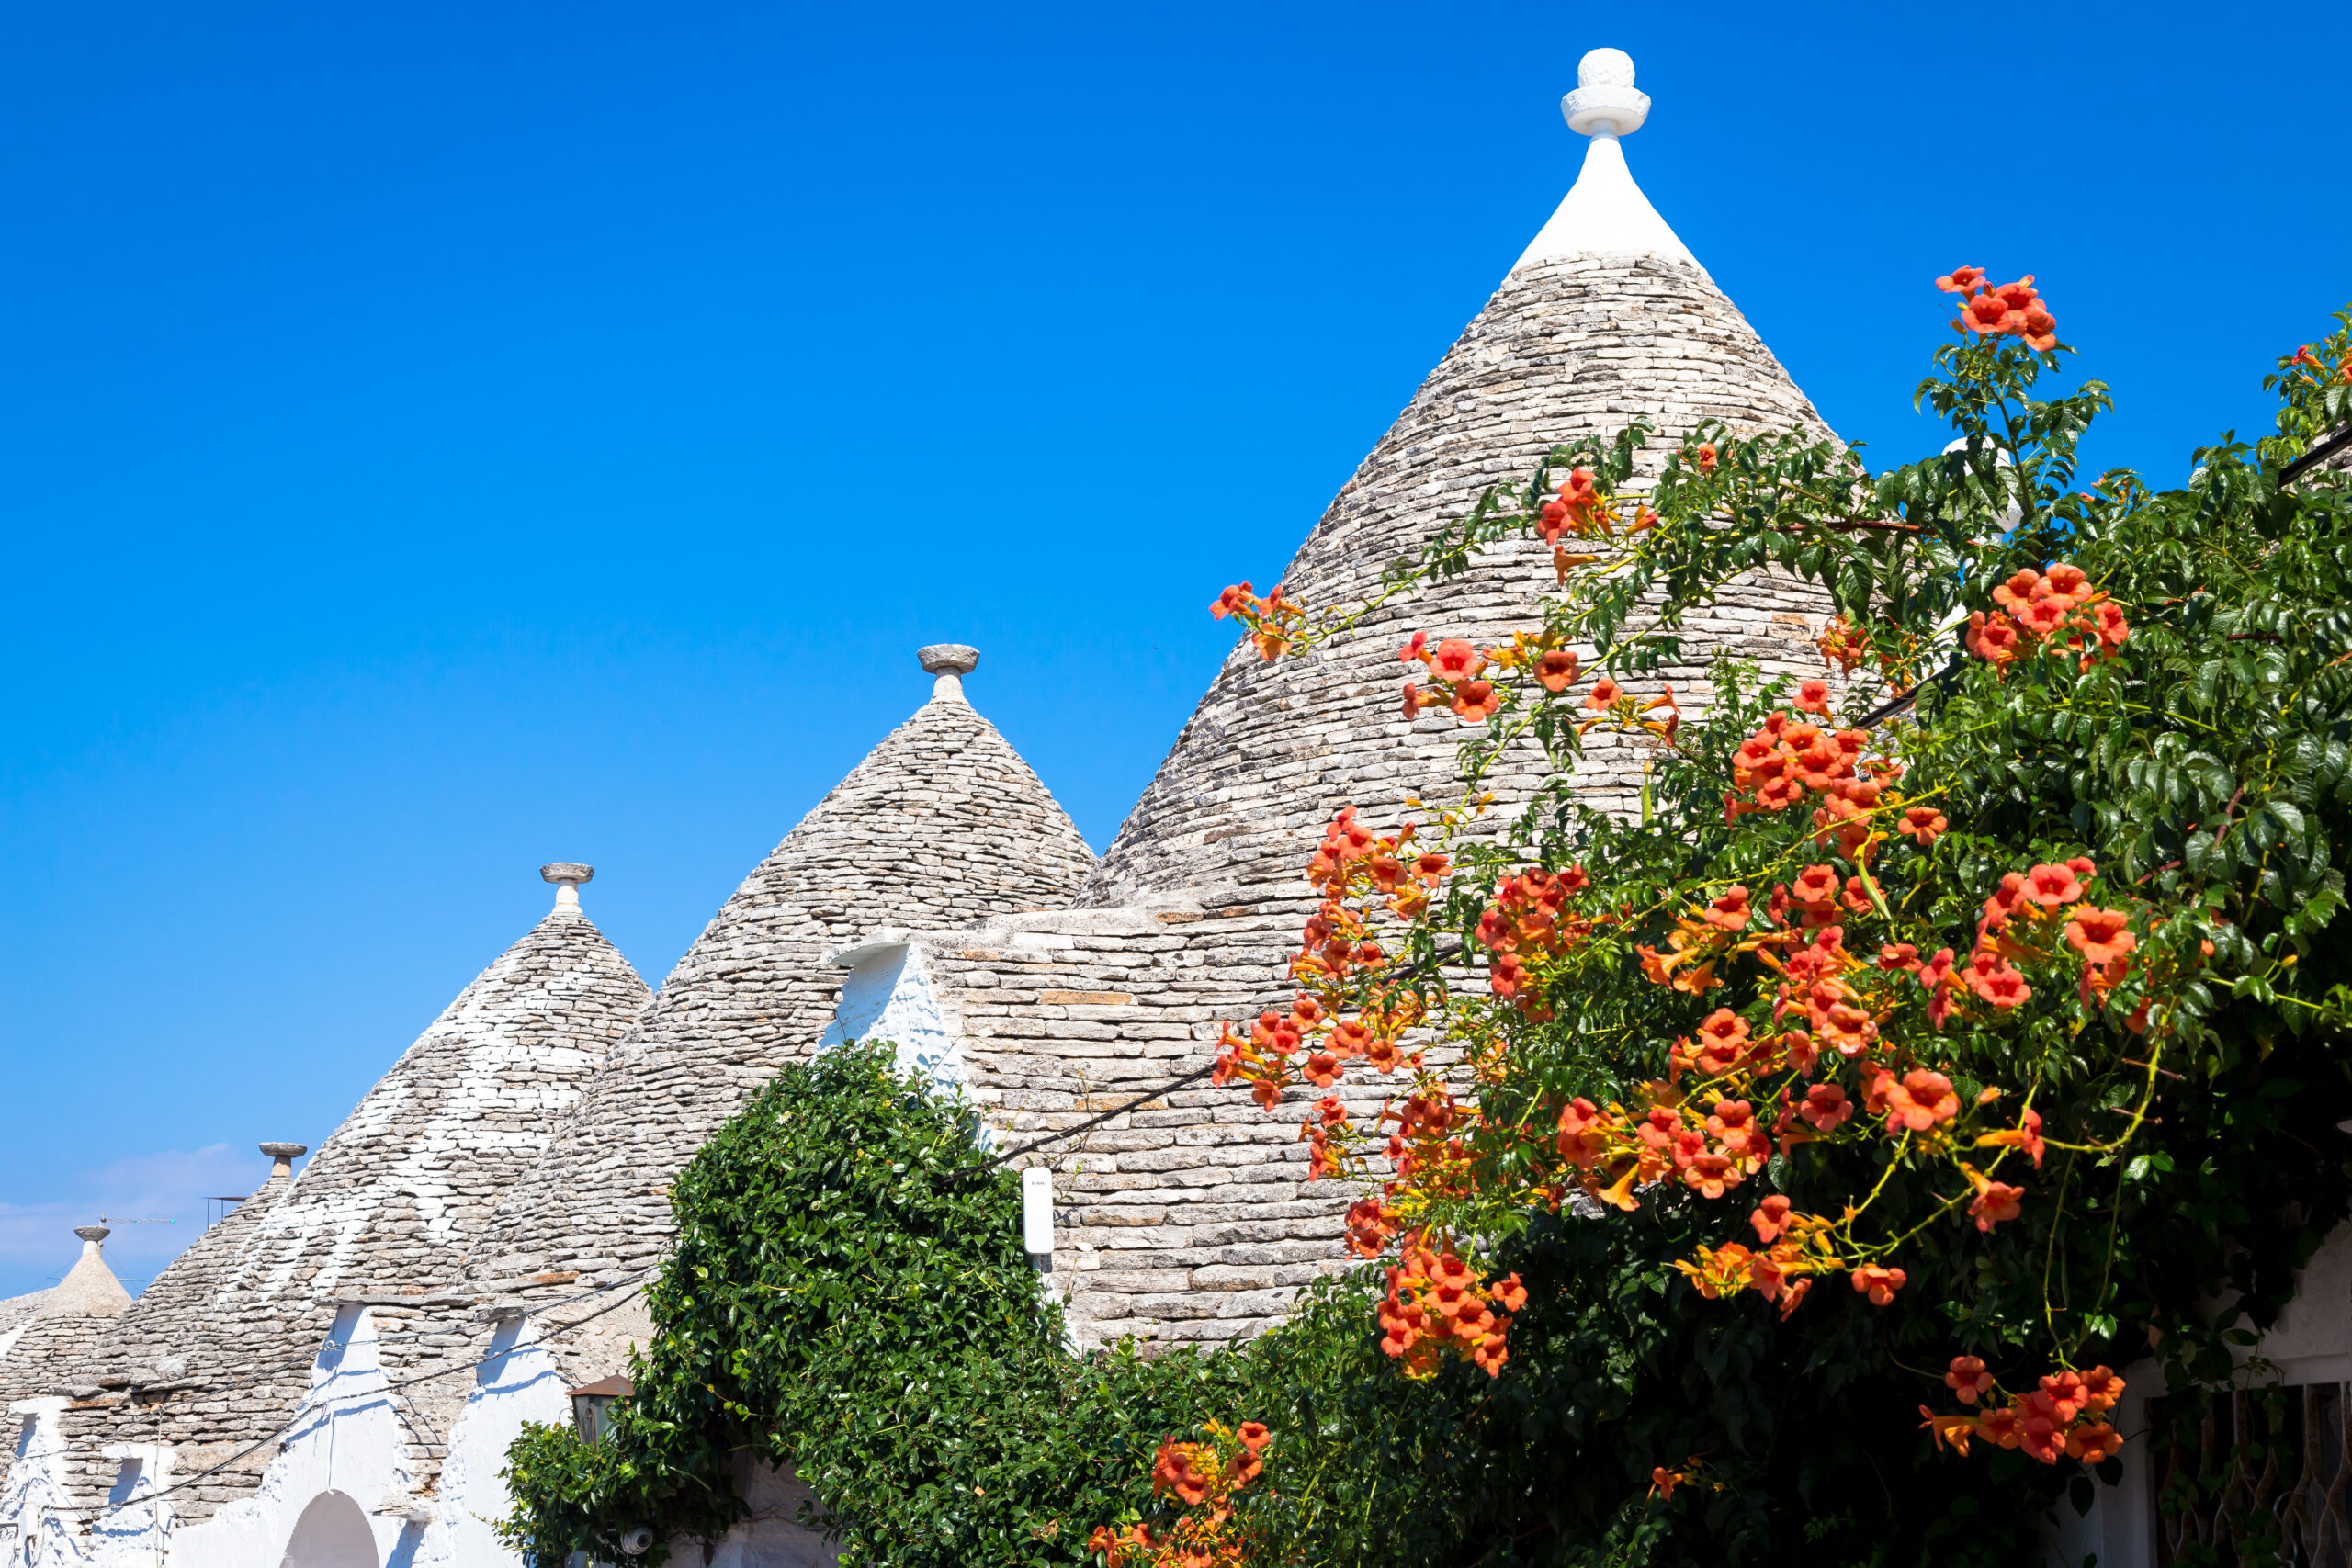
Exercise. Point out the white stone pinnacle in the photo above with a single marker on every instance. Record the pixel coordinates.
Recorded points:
(567, 875)
(1605, 213)
(950, 662)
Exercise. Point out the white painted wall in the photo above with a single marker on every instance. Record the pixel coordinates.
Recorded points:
(887, 996)
(127, 1532)
(347, 1439)
(46, 1535)
(518, 1384)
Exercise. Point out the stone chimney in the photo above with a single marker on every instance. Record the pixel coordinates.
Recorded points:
(951, 661)
(567, 875)
(282, 1157)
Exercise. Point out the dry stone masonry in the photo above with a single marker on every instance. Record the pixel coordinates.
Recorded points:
(347, 1354)
(1569, 348)
(943, 822)
(220, 1350)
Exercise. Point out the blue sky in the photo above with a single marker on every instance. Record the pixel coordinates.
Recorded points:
(442, 439)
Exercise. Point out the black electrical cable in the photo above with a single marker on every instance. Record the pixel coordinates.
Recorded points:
(1088, 1125)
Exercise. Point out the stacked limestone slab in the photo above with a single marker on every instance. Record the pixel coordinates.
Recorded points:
(98, 1378)
(943, 823)
(1607, 318)
(17, 1310)
(1567, 349)
(218, 1355)
(1183, 1218)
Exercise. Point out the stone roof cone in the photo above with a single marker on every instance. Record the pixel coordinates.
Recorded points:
(89, 1288)
(388, 1205)
(943, 823)
(43, 1334)
(1607, 315)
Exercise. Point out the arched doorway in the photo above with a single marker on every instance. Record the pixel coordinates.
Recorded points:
(331, 1533)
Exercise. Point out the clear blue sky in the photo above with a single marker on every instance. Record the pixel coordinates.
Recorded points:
(440, 439)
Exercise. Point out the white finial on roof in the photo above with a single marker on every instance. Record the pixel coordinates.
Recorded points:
(567, 875)
(1606, 213)
(951, 661)
(1604, 102)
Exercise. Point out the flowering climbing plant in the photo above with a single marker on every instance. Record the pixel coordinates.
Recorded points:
(1199, 1478)
(1972, 970)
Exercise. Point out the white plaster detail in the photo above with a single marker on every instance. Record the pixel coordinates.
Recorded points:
(36, 1498)
(518, 1383)
(346, 1440)
(126, 1529)
(1605, 102)
(345, 1467)
(887, 996)
(1605, 212)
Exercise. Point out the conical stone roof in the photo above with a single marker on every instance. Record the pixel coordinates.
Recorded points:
(40, 1328)
(89, 1288)
(942, 824)
(45, 1334)
(384, 1210)
(1606, 317)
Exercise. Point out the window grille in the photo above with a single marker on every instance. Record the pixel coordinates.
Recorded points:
(2265, 1475)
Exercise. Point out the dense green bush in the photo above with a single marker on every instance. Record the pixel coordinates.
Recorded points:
(849, 1298)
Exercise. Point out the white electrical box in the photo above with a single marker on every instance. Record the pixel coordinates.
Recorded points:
(1037, 1211)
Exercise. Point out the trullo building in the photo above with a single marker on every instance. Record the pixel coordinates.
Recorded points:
(331, 1374)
